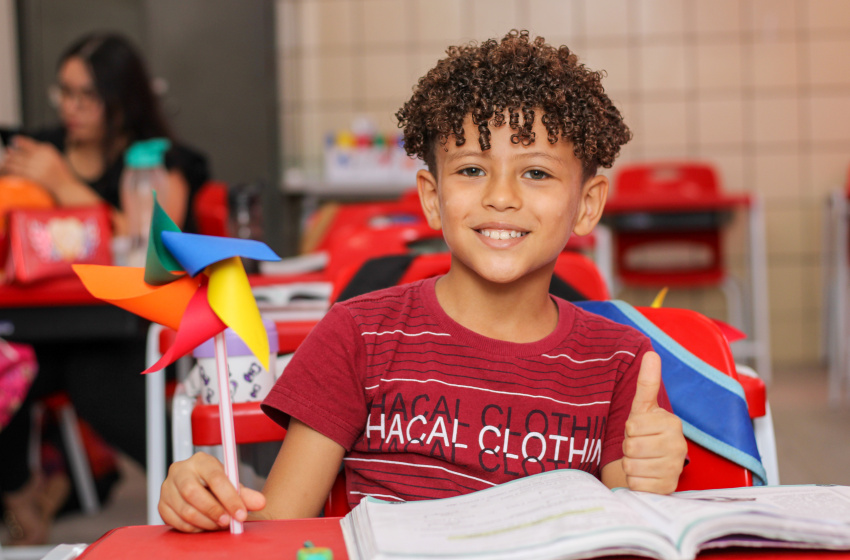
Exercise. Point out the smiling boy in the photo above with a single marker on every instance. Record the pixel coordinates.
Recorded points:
(457, 383)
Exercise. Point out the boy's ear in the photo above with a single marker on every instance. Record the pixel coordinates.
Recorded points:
(426, 184)
(594, 193)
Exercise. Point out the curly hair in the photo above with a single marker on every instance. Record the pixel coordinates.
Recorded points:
(518, 76)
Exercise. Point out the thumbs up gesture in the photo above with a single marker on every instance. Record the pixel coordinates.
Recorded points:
(654, 448)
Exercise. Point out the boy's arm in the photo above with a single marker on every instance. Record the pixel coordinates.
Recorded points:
(302, 475)
(197, 495)
(654, 447)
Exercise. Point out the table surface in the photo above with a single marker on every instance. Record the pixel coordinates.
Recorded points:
(68, 290)
(282, 539)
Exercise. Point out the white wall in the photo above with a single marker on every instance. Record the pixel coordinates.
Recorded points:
(10, 106)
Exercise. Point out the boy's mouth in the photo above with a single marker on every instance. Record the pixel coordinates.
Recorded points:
(502, 233)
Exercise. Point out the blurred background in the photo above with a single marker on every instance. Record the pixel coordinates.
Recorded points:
(758, 88)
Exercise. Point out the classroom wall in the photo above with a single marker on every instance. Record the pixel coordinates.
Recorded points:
(759, 87)
(10, 109)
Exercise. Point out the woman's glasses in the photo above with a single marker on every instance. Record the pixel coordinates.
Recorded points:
(84, 98)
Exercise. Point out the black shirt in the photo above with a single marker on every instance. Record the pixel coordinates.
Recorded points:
(190, 163)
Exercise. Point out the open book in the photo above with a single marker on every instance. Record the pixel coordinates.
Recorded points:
(568, 514)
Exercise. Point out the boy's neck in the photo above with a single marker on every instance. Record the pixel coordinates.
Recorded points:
(521, 311)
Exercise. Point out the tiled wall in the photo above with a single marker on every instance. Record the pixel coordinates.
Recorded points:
(759, 87)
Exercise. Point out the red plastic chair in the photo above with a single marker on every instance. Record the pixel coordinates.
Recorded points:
(667, 221)
(702, 337)
(211, 210)
(683, 186)
(582, 274)
(360, 231)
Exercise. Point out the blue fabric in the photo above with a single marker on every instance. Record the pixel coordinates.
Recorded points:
(711, 405)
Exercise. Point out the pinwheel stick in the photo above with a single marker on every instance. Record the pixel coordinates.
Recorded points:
(225, 411)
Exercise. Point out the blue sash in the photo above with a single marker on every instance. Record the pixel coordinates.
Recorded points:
(710, 404)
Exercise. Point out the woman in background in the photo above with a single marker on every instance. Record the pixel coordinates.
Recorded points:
(105, 103)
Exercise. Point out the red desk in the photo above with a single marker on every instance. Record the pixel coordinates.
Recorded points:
(261, 539)
(61, 309)
(281, 539)
(758, 344)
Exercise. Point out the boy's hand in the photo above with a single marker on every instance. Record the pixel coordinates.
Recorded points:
(654, 449)
(197, 496)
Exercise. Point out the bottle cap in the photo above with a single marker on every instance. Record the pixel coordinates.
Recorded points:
(345, 139)
(146, 153)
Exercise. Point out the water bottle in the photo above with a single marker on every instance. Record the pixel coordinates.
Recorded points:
(246, 216)
(144, 173)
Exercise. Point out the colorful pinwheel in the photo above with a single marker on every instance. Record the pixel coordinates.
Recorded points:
(196, 285)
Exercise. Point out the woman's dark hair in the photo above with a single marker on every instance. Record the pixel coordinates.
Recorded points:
(131, 109)
(517, 76)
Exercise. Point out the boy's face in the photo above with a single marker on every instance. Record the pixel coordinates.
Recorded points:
(509, 211)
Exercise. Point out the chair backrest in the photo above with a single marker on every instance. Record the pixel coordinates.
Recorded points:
(686, 179)
(669, 249)
(582, 274)
(211, 209)
(703, 338)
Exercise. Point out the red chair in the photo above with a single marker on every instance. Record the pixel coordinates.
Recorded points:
(357, 232)
(702, 337)
(211, 210)
(698, 232)
(582, 274)
(667, 221)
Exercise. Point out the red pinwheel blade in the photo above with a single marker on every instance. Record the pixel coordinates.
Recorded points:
(199, 324)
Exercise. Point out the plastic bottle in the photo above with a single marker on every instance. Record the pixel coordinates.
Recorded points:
(246, 216)
(144, 173)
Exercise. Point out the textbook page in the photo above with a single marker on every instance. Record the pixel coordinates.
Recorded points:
(804, 516)
(559, 514)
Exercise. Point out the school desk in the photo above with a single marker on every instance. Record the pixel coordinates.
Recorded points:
(61, 310)
(282, 539)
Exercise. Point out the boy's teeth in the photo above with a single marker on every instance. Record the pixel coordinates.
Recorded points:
(501, 233)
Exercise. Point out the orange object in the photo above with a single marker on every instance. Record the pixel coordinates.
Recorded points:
(124, 286)
(17, 192)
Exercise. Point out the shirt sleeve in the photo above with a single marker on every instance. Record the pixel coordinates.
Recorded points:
(322, 386)
(621, 404)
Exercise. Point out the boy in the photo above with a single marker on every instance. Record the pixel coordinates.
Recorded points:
(457, 383)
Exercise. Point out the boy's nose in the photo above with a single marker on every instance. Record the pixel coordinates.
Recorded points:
(502, 193)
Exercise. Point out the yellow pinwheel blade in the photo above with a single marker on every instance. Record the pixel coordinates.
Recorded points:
(659, 299)
(231, 298)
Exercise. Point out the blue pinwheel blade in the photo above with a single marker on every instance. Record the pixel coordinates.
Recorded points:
(195, 252)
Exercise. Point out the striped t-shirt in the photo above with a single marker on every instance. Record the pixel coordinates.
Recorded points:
(426, 408)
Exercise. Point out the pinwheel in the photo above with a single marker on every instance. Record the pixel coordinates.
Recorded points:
(196, 285)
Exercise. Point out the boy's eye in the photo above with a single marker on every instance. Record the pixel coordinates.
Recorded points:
(535, 174)
(472, 171)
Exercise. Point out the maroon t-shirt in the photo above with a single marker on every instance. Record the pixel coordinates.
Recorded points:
(426, 408)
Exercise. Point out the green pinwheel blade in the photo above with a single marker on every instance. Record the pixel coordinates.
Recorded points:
(160, 265)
